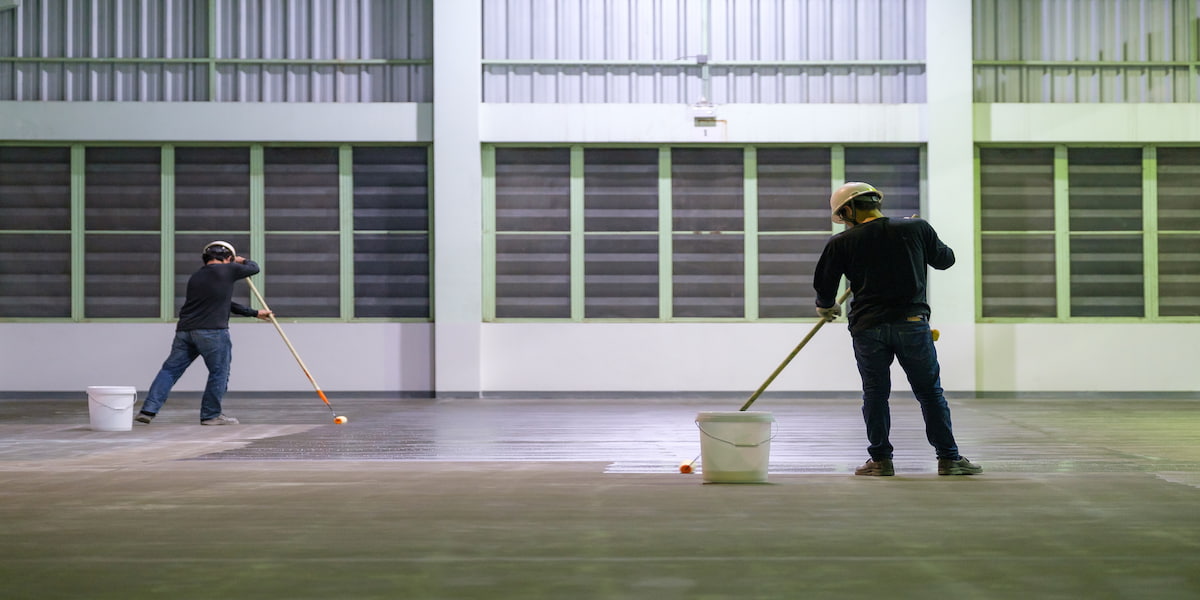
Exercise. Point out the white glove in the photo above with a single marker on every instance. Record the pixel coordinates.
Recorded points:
(830, 313)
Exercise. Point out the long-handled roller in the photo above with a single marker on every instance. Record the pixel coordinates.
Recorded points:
(338, 419)
(687, 466)
(817, 327)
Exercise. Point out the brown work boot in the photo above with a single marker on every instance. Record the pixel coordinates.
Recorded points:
(877, 468)
(958, 466)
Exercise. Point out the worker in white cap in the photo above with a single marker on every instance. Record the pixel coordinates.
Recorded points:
(885, 262)
(203, 331)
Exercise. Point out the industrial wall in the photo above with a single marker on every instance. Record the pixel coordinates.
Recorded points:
(989, 129)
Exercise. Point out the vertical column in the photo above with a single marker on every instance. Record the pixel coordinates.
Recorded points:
(258, 217)
(1062, 233)
(78, 230)
(346, 230)
(1150, 268)
(488, 158)
(578, 260)
(837, 171)
(951, 177)
(457, 197)
(666, 241)
(213, 16)
(166, 236)
(750, 232)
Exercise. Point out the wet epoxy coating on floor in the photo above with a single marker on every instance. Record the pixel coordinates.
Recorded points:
(581, 498)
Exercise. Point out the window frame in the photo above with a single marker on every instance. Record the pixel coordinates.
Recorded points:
(1149, 233)
(751, 233)
(257, 233)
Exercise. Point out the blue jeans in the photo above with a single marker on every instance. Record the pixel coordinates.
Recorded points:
(216, 348)
(912, 343)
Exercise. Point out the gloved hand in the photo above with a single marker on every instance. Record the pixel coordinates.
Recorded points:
(830, 313)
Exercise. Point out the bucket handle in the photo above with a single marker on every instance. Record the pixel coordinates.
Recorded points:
(774, 432)
(101, 403)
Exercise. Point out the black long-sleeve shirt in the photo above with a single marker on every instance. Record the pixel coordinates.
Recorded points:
(210, 296)
(885, 263)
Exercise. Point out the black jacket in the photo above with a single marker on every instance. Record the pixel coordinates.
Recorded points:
(885, 262)
(210, 296)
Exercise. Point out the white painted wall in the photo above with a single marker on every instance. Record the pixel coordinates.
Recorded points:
(674, 123)
(1083, 123)
(345, 357)
(1088, 357)
(664, 357)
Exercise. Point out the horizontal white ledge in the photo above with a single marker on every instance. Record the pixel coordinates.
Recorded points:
(1087, 123)
(215, 122)
(676, 123)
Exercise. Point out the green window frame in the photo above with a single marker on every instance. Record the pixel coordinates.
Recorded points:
(84, 228)
(679, 233)
(1083, 233)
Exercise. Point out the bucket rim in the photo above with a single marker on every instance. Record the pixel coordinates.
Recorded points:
(111, 389)
(737, 416)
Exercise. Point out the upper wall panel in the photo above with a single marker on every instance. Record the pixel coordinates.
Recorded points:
(689, 51)
(1085, 51)
(222, 50)
(594, 51)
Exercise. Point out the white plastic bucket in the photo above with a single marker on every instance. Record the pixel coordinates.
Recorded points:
(111, 407)
(735, 447)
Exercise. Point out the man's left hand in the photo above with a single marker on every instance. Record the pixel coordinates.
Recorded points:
(830, 313)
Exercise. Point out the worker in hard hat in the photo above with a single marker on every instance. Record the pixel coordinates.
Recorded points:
(203, 332)
(885, 262)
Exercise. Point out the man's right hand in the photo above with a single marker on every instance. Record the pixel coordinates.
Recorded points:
(830, 313)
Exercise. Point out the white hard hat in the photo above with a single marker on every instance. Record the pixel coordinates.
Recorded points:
(220, 243)
(848, 192)
(218, 249)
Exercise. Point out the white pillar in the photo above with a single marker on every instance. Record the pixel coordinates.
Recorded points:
(457, 191)
(951, 183)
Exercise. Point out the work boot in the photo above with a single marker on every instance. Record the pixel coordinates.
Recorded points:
(958, 466)
(878, 468)
(220, 420)
(144, 418)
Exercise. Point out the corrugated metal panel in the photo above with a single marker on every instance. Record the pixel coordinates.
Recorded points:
(775, 30)
(758, 51)
(327, 30)
(562, 36)
(119, 31)
(264, 51)
(1072, 50)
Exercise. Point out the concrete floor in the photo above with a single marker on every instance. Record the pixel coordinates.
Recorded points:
(581, 498)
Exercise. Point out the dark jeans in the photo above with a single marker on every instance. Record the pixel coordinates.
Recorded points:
(216, 348)
(912, 343)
